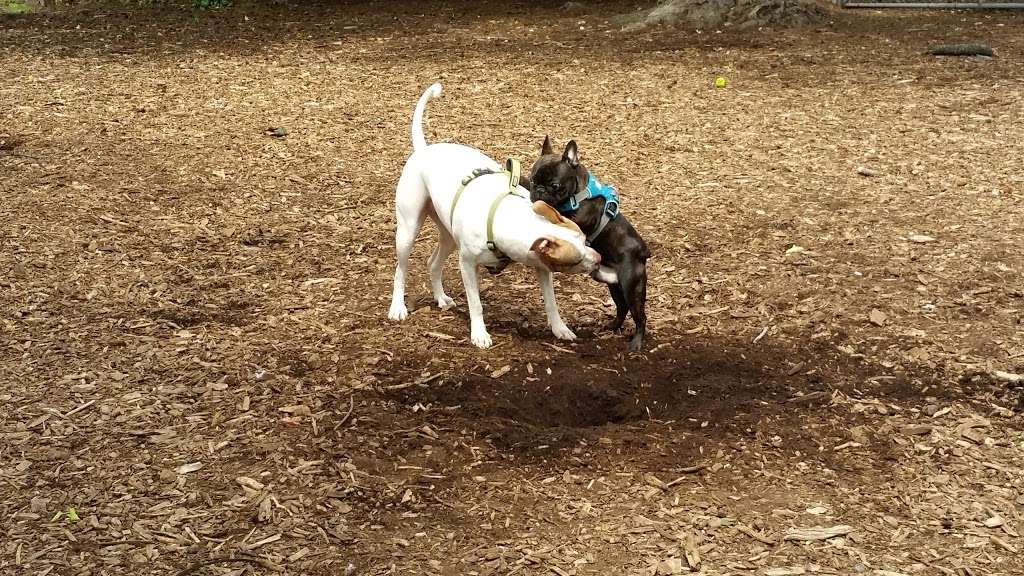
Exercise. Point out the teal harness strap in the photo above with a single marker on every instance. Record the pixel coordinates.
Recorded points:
(594, 189)
(513, 170)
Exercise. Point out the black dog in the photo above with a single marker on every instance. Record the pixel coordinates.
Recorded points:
(564, 183)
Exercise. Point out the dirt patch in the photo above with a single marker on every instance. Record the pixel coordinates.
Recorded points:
(700, 386)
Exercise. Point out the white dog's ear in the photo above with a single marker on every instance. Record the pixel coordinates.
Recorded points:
(546, 147)
(570, 154)
(555, 252)
(544, 209)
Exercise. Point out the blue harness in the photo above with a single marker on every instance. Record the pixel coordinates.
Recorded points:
(594, 189)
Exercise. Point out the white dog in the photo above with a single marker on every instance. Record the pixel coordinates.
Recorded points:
(533, 234)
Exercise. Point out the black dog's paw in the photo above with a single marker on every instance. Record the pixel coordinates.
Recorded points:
(636, 343)
(614, 325)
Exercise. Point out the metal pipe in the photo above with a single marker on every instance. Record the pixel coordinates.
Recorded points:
(939, 5)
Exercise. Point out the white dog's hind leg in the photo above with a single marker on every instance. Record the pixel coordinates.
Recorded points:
(558, 327)
(445, 246)
(477, 330)
(411, 202)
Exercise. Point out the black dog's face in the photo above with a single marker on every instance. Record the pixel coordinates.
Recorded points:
(556, 178)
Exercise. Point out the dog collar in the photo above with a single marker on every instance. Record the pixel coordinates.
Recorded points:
(594, 189)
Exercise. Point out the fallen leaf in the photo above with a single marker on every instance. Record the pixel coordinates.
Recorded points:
(187, 468)
(247, 482)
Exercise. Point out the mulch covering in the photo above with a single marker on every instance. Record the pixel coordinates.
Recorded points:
(198, 376)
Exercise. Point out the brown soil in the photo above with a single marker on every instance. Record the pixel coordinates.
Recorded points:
(194, 350)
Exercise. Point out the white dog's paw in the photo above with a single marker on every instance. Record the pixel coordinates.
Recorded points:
(605, 274)
(398, 311)
(444, 302)
(481, 339)
(563, 333)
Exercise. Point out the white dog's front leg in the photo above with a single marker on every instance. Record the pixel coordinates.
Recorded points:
(555, 322)
(477, 331)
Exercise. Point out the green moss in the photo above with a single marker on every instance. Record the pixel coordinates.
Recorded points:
(14, 7)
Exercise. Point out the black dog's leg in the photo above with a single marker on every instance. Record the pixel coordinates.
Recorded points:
(634, 287)
(621, 307)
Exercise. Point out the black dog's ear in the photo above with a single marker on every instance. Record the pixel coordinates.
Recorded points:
(525, 182)
(546, 148)
(570, 154)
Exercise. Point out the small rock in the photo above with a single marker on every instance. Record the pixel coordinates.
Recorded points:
(670, 566)
(916, 429)
(877, 317)
(974, 435)
(865, 171)
(39, 504)
(994, 522)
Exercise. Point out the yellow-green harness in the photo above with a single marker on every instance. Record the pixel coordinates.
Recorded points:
(513, 170)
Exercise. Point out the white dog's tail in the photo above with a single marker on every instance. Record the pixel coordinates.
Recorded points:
(418, 140)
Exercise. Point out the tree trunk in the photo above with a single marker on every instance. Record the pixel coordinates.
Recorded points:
(738, 13)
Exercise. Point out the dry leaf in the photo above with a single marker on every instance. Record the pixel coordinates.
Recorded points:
(250, 483)
(187, 468)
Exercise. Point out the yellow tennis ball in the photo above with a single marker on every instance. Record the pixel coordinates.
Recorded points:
(720, 82)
